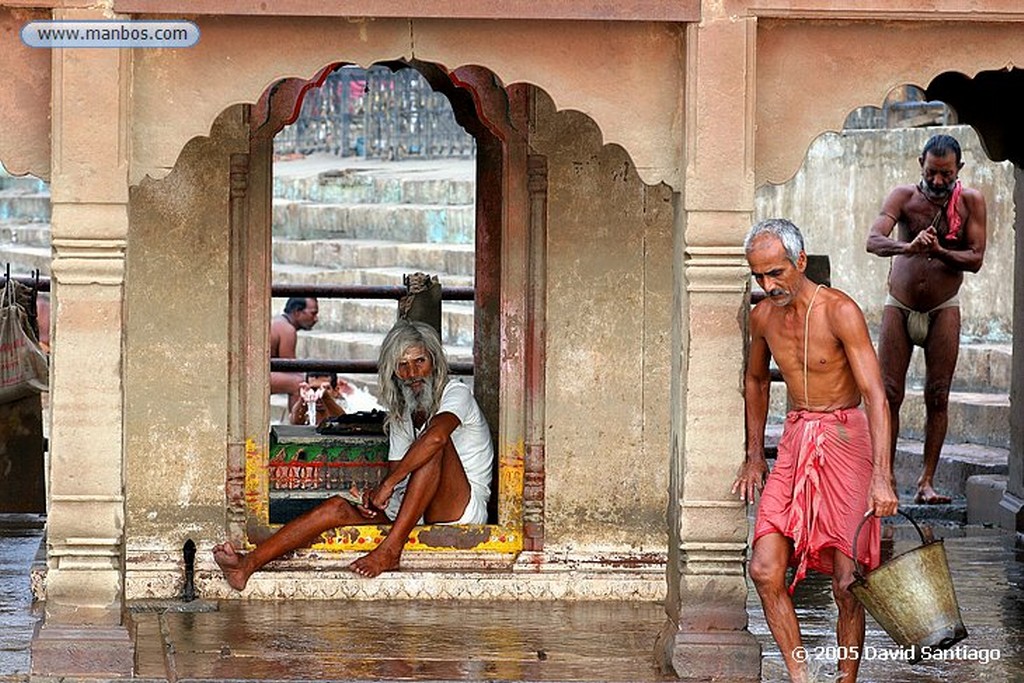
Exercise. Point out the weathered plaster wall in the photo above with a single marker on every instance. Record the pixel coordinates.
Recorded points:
(24, 97)
(839, 189)
(608, 333)
(630, 87)
(177, 351)
(811, 74)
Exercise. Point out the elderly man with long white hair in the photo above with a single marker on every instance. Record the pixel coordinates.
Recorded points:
(439, 463)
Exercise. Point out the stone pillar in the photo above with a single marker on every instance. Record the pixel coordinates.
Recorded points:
(84, 631)
(706, 637)
(1011, 515)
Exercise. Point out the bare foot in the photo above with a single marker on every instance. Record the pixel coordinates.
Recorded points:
(232, 564)
(380, 559)
(926, 495)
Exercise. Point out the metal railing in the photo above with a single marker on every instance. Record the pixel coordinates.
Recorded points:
(329, 291)
(320, 291)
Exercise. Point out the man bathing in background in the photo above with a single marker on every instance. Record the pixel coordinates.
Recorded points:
(941, 235)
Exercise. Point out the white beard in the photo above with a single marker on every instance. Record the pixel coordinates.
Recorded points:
(423, 400)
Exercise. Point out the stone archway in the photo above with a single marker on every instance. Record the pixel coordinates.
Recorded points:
(513, 212)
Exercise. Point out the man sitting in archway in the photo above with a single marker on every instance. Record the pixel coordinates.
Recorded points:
(439, 469)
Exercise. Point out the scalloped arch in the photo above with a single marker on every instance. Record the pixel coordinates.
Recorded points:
(177, 96)
(802, 95)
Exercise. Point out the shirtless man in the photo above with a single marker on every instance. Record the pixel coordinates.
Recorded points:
(299, 314)
(941, 234)
(833, 459)
(439, 462)
(324, 386)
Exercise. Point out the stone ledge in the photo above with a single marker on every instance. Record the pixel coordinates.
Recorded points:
(532, 577)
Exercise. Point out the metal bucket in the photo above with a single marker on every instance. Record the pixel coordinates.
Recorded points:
(911, 597)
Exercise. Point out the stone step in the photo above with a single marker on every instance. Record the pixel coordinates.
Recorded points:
(24, 259)
(293, 274)
(458, 259)
(355, 186)
(957, 463)
(15, 204)
(974, 417)
(399, 222)
(358, 346)
(378, 316)
(981, 367)
(26, 233)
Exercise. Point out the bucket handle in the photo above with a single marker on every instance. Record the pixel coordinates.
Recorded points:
(856, 535)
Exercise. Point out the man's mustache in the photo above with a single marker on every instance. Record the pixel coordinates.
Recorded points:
(777, 292)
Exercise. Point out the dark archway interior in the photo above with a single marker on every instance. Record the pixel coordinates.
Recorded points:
(991, 103)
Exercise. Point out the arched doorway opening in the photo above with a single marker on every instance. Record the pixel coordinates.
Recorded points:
(482, 106)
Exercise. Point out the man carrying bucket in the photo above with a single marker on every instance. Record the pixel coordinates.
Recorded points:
(833, 462)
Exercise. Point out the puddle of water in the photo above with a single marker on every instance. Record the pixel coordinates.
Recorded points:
(988, 577)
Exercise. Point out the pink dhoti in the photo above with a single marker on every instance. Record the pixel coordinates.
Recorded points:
(817, 493)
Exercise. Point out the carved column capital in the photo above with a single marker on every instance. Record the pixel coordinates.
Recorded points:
(716, 269)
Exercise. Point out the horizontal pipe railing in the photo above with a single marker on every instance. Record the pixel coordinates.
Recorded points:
(362, 292)
(360, 367)
(42, 283)
(394, 292)
(330, 291)
(314, 291)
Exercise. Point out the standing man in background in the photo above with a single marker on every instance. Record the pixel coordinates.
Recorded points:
(941, 235)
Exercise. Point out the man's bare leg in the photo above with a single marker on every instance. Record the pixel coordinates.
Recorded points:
(768, 564)
(298, 533)
(438, 492)
(850, 624)
(894, 351)
(940, 354)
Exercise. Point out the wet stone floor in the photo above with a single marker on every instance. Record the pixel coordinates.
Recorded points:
(449, 641)
(988, 579)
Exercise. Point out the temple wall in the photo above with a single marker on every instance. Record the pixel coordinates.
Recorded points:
(839, 189)
(177, 348)
(608, 328)
(810, 75)
(177, 93)
(25, 104)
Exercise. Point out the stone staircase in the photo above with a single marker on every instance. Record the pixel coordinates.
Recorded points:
(24, 224)
(372, 223)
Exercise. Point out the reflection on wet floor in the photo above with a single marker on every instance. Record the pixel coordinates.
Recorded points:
(582, 641)
(988, 577)
(19, 542)
(406, 640)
